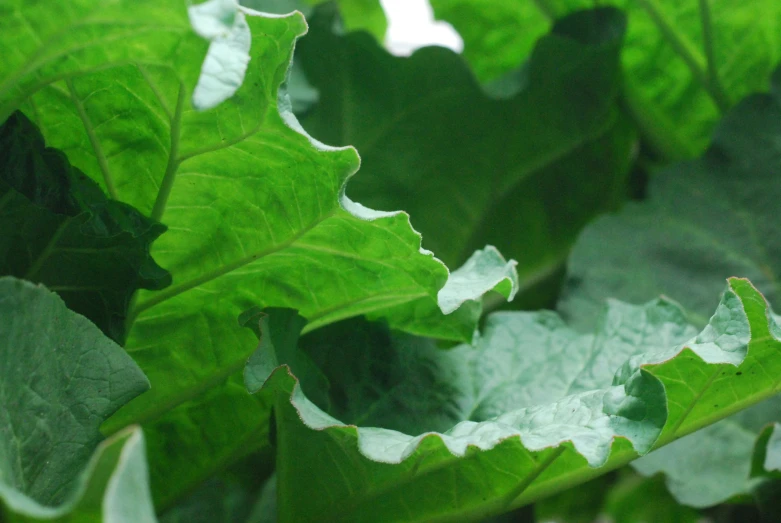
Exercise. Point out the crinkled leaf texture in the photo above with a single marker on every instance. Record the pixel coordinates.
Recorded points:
(60, 377)
(58, 228)
(524, 174)
(702, 221)
(523, 432)
(255, 208)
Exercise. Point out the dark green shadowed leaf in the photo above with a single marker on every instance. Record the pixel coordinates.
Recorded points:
(517, 436)
(686, 62)
(58, 228)
(524, 174)
(703, 220)
(59, 379)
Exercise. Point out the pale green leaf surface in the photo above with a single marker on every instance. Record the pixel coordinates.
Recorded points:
(773, 458)
(507, 454)
(255, 208)
(669, 90)
(60, 377)
(703, 220)
(524, 174)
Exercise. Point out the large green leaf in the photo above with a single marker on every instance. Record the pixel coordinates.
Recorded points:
(255, 208)
(523, 432)
(703, 221)
(60, 377)
(686, 61)
(58, 228)
(524, 174)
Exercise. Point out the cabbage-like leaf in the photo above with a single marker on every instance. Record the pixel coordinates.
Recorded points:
(703, 220)
(687, 61)
(255, 208)
(525, 432)
(524, 174)
(60, 377)
(58, 228)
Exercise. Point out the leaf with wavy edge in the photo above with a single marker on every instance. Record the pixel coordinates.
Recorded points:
(113, 488)
(524, 173)
(60, 377)
(703, 220)
(479, 468)
(255, 208)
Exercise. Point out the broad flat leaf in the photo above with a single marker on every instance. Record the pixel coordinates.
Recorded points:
(703, 220)
(524, 174)
(58, 228)
(255, 208)
(520, 436)
(60, 377)
(669, 90)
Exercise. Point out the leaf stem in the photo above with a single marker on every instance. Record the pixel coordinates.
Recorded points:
(173, 159)
(686, 52)
(88, 127)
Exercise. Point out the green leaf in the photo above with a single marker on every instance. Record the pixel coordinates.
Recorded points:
(635, 499)
(703, 220)
(524, 174)
(355, 15)
(59, 229)
(686, 61)
(522, 434)
(255, 208)
(767, 452)
(361, 15)
(59, 379)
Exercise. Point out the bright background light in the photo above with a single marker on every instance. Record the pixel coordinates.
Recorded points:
(411, 25)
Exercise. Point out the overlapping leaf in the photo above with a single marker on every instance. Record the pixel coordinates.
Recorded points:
(255, 209)
(524, 174)
(703, 220)
(523, 431)
(686, 61)
(58, 228)
(60, 377)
